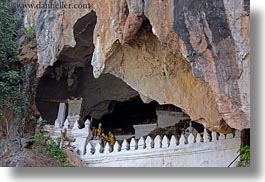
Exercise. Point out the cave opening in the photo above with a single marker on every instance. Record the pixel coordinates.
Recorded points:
(130, 117)
(126, 114)
(107, 99)
(62, 80)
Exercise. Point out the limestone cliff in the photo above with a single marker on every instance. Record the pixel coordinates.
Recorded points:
(193, 54)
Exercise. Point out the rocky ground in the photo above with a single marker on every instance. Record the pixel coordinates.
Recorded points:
(28, 158)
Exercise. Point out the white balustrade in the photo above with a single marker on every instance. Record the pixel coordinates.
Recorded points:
(198, 138)
(89, 149)
(97, 149)
(66, 124)
(107, 149)
(157, 142)
(191, 139)
(165, 142)
(214, 136)
(116, 147)
(207, 137)
(125, 145)
(141, 143)
(182, 140)
(149, 142)
(87, 124)
(144, 143)
(133, 145)
(76, 125)
(173, 141)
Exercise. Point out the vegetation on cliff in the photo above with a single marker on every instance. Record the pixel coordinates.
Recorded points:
(11, 98)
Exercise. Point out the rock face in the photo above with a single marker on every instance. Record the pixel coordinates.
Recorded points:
(193, 54)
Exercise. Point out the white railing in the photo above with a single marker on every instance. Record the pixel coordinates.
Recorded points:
(207, 151)
(212, 149)
(156, 143)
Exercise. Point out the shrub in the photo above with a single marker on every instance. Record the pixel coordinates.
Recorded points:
(29, 32)
(45, 144)
(244, 156)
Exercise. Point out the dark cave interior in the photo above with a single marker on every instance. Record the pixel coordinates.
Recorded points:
(126, 114)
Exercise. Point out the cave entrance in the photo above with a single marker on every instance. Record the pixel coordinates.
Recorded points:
(135, 118)
(72, 75)
(126, 114)
(62, 80)
(107, 99)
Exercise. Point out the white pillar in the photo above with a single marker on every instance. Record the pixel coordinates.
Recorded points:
(61, 116)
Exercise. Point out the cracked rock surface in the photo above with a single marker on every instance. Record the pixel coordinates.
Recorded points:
(193, 54)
